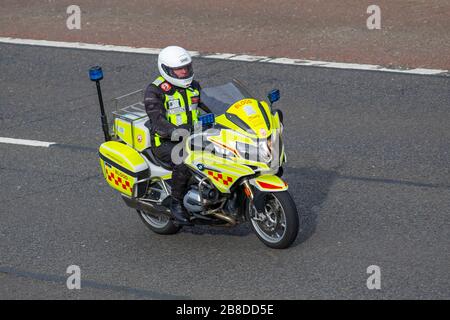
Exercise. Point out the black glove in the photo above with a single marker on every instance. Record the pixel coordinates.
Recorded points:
(182, 126)
(188, 127)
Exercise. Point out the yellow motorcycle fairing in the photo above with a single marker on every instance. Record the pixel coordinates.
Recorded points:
(247, 121)
(253, 119)
(222, 172)
(269, 183)
(249, 117)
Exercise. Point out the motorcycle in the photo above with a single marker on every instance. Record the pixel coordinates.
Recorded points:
(235, 155)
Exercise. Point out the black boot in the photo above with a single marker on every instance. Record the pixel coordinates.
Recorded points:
(179, 212)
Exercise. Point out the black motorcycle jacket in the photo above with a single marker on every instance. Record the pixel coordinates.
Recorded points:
(154, 105)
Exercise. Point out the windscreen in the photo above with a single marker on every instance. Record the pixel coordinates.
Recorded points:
(219, 99)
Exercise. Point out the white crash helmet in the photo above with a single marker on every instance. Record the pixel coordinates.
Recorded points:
(174, 57)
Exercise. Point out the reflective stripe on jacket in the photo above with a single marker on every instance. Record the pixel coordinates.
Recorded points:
(181, 106)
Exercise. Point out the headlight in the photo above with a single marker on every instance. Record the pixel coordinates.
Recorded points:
(261, 152)
(276, 148)
(243, 149)
(264, 152)
(224, 152)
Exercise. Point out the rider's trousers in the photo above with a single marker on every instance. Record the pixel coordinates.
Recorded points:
(180, 172)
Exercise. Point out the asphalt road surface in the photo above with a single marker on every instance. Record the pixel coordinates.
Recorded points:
(368, 161)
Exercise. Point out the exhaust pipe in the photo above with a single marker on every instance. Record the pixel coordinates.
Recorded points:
(220, 215)
(162, 210)
(146, 206)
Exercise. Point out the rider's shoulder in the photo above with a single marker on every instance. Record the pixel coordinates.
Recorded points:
(196, 85)
(160, 86)
(152, 88)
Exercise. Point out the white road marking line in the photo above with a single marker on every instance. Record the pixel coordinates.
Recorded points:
(224, 56)
(79, 45)
(423, 71)
(244, 57)
(33, 143)
(85, 46)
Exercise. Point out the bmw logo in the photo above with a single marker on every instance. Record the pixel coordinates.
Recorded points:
(200, 167)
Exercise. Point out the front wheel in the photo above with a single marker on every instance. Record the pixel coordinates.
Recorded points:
(277, 226)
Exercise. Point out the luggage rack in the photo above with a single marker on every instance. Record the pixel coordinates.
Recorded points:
(128, 107)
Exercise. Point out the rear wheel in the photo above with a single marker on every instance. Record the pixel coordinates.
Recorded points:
(160, 224)
(277, 226)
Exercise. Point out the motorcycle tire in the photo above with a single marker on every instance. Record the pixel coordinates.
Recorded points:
(291, 221)
(166, 227)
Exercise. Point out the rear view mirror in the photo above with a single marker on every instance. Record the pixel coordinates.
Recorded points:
(274, 95)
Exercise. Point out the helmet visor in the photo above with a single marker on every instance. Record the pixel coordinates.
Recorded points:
(183, 72)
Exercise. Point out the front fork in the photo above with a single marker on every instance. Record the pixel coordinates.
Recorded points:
(256, 214)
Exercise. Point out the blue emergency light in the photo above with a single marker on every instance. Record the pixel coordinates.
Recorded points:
(96, 73)
(207, 119)
(274, 95)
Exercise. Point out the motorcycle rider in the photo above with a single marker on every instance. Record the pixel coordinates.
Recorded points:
(172, 102)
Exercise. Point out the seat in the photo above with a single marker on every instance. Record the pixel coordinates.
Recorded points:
(150, 156)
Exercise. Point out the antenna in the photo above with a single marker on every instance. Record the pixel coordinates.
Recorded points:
(96, 74)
